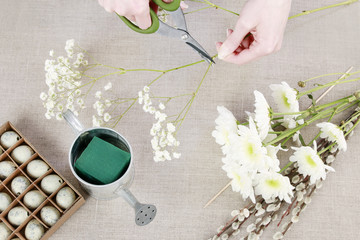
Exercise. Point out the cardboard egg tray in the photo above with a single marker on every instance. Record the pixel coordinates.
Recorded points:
(35, 185)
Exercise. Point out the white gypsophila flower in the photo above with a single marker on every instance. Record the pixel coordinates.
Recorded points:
(69, 47)
(247, 149)
(98, 94)
(262, 115)
(161, 106)
(332, 133)
(163, 139)
(146, 89)
(59, 116)
(108, 86)
(62, 78)
(296, 138)
(43, 96)
(107, 117)
(272, 184)
(310, 163)
(225, 126)
(108, 103)
(51, 53)
(241, 181)
(170, 127)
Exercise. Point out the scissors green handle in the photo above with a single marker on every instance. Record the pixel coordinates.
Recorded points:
(174, 5)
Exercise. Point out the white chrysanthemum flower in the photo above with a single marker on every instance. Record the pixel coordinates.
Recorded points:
(273, 161)
(310, 164)
(272, 184)
(262, 114)
(225, 126)
(241, 181)
(247, 150)
(333, 133)
(108, 86)
(285, 97)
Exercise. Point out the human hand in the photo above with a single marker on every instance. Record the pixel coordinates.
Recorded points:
(266, 21)
(135, 10)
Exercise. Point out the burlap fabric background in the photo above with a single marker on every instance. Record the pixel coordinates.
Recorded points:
(315, 44)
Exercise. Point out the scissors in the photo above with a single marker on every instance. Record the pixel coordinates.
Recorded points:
(179, 32)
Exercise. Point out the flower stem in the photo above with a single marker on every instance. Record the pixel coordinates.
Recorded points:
(323, 8)
(325, 86)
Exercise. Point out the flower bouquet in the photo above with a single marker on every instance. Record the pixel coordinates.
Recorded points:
(251, 154)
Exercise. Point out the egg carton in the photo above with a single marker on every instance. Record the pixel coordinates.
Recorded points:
(17, 200)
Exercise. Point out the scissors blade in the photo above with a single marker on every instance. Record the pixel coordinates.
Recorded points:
(198, 48)
(183, 35)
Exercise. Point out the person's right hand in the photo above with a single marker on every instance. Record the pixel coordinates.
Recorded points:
(135, 10)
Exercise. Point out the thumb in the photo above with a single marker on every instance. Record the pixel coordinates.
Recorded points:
(233, 41)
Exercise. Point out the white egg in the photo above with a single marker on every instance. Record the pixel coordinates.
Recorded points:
(34, 230)
(36, 168)
(9, 138)
(17, 215)
(49, 215)
(22, 153)
(6, 168)
(65, 197)
(19, 184)
(5, 201)
(51, 183)
(4, 231)
(33, 199)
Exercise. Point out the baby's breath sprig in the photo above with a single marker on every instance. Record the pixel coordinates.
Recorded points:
(70, 83)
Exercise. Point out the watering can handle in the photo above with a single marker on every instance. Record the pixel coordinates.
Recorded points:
(73, 121)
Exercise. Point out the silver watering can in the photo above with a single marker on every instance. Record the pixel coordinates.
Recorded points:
(144, 213)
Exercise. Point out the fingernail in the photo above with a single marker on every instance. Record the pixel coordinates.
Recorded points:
(227, 32)
(223, 52)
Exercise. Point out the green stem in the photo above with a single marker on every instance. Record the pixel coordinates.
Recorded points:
(216, 6)
(323, 8)
(325, 86)
(192, 99)
(198, 10)
(286, 166)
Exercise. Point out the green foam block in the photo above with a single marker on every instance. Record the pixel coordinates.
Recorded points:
(102, 162)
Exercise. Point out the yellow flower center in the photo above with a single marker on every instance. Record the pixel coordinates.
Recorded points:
(273, 183)
(237, 178)
(285, 100)
(310, 161)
